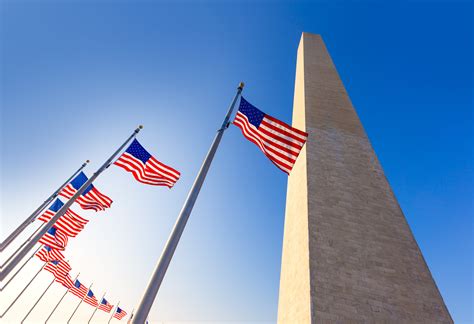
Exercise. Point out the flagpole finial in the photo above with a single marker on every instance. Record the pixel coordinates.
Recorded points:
(87, 161)
(140, 127)
(241, 85)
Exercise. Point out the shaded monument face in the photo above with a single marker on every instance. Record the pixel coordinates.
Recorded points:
(348, 253)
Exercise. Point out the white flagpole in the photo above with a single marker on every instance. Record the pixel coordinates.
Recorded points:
(36, 303)
(21, 293)
(9, 267)
(113, 312)
(167, 254)
(32, 217)
(24, 264)
(22, 245)
(95, 310)
(59, 302)
(79, 303)
(131, 316)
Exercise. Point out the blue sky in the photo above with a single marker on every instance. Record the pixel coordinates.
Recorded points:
(78, 76)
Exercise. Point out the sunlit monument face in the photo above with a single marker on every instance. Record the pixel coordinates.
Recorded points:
(348, 253)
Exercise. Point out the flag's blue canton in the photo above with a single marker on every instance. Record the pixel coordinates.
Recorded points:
(52, 231)
(77, 284)
(119, 310)
(47, 248)
(55, 262)
(56, 205)
(104, 301)
(254, 115)
(78, 181)
(90, 293)
(137, 150)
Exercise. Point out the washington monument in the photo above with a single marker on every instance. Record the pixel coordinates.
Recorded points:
(348, 252)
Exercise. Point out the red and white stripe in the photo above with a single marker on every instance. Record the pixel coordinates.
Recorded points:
(47, 256)
(100, 197)
(94, 199)
(280, 142)
(59, 241)
(153, 172)
(106, 307)
(66, 281)
(120, 315)
(66, 223)
(58, 270)
(79, 292)
(91, 300)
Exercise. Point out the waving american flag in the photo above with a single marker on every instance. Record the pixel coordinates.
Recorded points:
(91, 198)
(47, 254)
(280, 142)
(59, 268)
(70, 223)
(78, 289)
(55, 239)
(105, 305)
(120, 313)
(145, 168)
(90, 298)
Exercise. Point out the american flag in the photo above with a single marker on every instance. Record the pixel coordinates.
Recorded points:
(70, 223)
(66, 281)
(59, 268)
(47, 254)
(54, 238)
(91, 198)
(120, 313)
(90, 298)
(280, 142)
(105, 305)
(145, 168)
(78, 289)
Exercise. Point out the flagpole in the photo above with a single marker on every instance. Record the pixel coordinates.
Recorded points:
(79, 303)
(36, 303)
(113, 313)
(9, 267)
(32, 217)
(131, 316)
(21, 293)
(59, 302)
(22, 245)
(95, 310)
(24, 264)
(167, 254)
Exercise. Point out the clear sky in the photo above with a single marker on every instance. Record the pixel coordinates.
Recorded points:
(78, 76)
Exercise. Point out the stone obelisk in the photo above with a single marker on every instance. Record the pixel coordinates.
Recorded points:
(348, 252)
